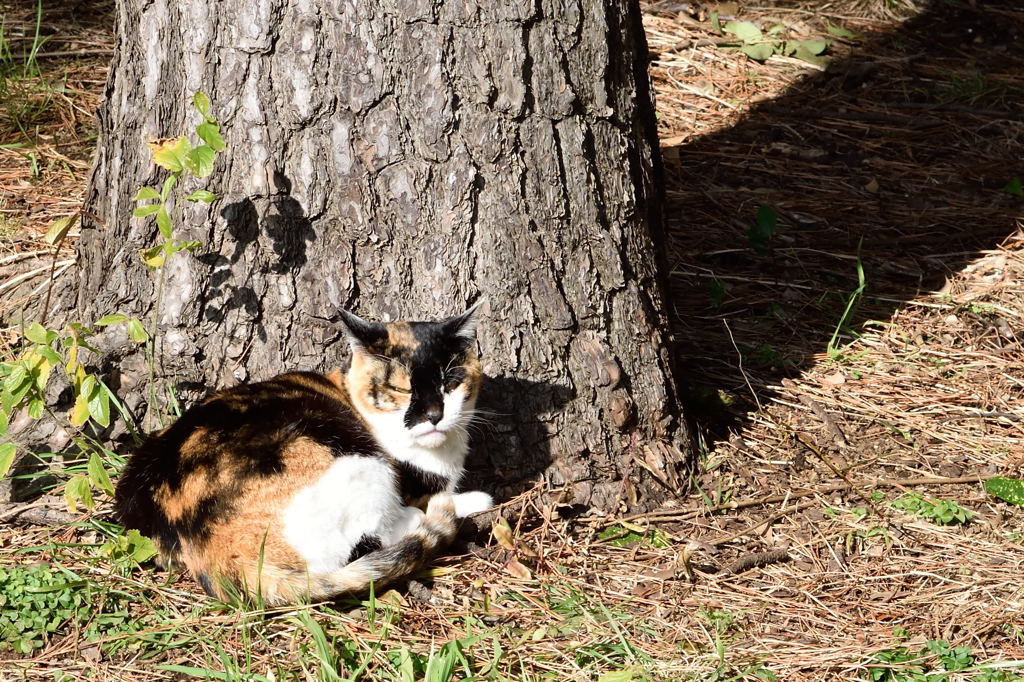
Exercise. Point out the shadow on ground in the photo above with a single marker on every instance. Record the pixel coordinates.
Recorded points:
(897, 158)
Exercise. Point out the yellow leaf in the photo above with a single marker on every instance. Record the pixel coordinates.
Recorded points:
(80, 412)
(632, 526)
(170, 152)
(393, 597)
(502, 532)
(153, 257)
(72, 359)
(59, 229)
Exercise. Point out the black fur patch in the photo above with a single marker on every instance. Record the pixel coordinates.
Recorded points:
(411, 551)
(206, 584)
(438, 350)
(366, 544)
(415, 483)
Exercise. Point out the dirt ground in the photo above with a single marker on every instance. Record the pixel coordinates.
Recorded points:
(846, 262)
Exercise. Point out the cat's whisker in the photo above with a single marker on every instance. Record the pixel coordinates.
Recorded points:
(482, 415)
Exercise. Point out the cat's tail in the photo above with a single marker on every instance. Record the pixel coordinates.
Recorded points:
(279, 585)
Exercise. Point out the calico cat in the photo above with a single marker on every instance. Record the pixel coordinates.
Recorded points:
(307, 486)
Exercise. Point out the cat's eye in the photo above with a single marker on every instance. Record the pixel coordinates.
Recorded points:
(453, 379)
(400, 391)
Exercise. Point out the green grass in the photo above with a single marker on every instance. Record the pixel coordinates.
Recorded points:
(27, 93)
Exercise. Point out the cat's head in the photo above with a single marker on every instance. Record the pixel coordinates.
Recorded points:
(414, 382)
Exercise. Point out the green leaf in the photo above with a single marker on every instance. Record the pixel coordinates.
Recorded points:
(99, 406)
(163, 222)
(200, 161)
(201, 102)
(5, 420)
(7, 451)
(1006, 489)
(803, 53)
(36, 333)
(35, 408)
(148, 209)
(136, 331)
(759, 52)
(184, 246)
(50, 354)
(716, 23)
(146, 193)
(815, 47)
(767, 219)
(143, 548)
(201, 195)
(16, 378)
(760, 233)
(88, 387)
(113, 318)
(59, 229)
(165, 191)
(625, 675)
(77, 491)
(745, 31)
(209, 132)
(191, 671)
(840, 32)
(98, 474)
(153, 257)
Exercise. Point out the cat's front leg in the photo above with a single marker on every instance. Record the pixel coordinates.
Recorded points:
(407, 520)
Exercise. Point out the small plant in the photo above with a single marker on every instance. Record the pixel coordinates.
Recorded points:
(24, 381)
(127, 551)
(982, 309)
(628, 534)
(716, 292)
(760, 45)
(933, 663)
(178, 156)
(760, 233)
(763, 355)
(40, 602)
(833, 350)
(965, 87)
(942, 512)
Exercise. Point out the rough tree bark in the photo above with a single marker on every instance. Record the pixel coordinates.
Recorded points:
(403, 159)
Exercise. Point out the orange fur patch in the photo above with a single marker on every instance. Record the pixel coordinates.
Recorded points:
(400, 336)
(253, 535)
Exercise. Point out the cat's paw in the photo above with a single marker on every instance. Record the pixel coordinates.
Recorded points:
(443, 506)
(472, 503)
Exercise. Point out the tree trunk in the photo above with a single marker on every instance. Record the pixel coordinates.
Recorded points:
(401, 160)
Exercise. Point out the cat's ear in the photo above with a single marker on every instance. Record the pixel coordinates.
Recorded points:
(464, 325)
(359, 332)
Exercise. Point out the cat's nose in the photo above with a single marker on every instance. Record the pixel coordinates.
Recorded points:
(434, 415)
